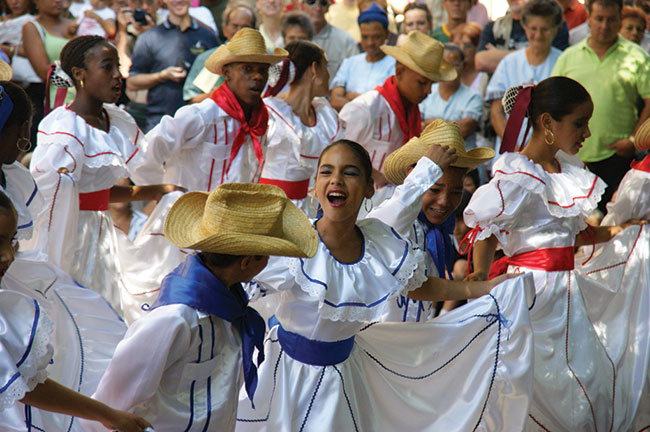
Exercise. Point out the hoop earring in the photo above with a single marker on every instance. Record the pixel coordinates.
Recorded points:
(365, 205)
(81, 82)
(25, 148)
(549, 133)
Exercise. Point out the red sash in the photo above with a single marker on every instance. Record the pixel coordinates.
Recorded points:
(255, 127)
(549, 259)
(94, 201)
(295, 190)
(409, 116)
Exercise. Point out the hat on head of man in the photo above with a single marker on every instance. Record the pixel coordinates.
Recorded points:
(439, 132)
(422, 55)
(374, 14)
(246, 46)
(241, 219)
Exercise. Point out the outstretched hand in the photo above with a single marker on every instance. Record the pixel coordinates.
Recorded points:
(122, 421)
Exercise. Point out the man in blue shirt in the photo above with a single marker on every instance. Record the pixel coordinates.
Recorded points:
(162, 56)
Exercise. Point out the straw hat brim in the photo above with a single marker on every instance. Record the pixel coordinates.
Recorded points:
(446, 72)
(398, 162)
(223, 56)
(299, 238)
(6, 72)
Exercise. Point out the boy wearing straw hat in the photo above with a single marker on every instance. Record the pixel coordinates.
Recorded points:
(429, 171)
(180, 365)
(222, 139)
(385, 118)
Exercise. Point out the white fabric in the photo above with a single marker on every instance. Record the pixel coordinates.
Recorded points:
(170, 360)
(358, 75)
(11, 33)
(394, 378)
(514, 70)
(401, 212)
(632, 199)
(90, 26)
(294, 148)
(527, 208)
(82, 243)
(25, 348)
(192, 150)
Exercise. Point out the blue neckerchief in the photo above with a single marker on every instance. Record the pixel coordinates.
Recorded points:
(193, 284)
(439, 245)
(6, 107)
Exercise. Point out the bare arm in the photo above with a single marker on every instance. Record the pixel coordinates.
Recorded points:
(54, 397)
(467, 126)
(602, 234)
(498, 117)
(337, 98)
(437, 289)
(145, 81)
(107, 24)
(487, 60)
(36, 55)
(483, 255)
(141, 193)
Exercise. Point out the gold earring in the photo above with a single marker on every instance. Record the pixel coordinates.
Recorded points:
(81, 83)
(549, 137)
(26, 147)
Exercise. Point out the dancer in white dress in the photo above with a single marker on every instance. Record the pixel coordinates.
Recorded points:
(25, 353)
(325, 368)
(83, 150)
(423, 206)
(535, 207)
(301, 122)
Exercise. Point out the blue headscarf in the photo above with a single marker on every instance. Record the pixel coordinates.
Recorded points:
(439, 244)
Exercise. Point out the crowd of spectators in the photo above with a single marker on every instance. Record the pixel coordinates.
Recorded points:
(163, 46)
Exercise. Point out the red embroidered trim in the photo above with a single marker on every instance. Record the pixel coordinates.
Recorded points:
(80, 143)
(622, 262)
(131, 157)
(210, 177)
(74, 161)
(138, 294)
(538, 423)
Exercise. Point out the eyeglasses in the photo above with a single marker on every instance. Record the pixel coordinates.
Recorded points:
(323, 3)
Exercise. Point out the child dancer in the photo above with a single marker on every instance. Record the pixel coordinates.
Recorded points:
(535, 207)
(25, 353)
(326, 369)
(201, 331)
(423, 205)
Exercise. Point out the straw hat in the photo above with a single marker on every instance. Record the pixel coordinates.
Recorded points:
(423, 55)
(438, 132)
(241, 219)
(5, 71)
(247, 45)
(642, 137)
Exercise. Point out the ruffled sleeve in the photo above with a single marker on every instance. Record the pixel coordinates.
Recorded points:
(389, 265)
(25, 349)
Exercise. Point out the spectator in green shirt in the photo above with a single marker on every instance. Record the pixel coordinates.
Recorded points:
(616, 73)
(456, 15)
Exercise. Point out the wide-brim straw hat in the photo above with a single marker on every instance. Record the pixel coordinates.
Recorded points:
(246, 46)
(423, 55)
(241, 219)
(439, 132)
(642, 136)
(6, 72)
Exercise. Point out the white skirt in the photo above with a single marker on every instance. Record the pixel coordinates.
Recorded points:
(470, 369)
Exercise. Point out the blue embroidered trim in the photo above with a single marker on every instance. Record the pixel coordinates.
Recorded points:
(31, 197)
(27, 225)
(209, 408)
(363, 246)
(200, 342)
(212, 331)
(406, 251)
(311, 402)
(191, 406)
(37, 314)
(347, 400)
(275, 373)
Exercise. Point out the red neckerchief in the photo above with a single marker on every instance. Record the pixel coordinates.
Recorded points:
(255, 127)
(642, 165)
(409, 116)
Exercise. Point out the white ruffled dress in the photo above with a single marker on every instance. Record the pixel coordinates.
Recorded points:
(84, 330)
(294, 148)
(82, 242)
(583, 370)
(327, 369)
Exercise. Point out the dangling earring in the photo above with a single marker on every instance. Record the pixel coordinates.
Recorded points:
(549, 137)
(26, 147)
(81, 83)
(365, 205)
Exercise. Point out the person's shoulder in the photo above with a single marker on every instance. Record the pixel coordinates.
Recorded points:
(340, 34)
(632, 48)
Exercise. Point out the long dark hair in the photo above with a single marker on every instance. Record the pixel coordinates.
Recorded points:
(557, 96)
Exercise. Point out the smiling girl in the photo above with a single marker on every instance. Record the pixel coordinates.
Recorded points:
(83, 150)
(327, 369)
(535, 207)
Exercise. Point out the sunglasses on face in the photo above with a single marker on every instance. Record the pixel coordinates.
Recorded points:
(323, 3)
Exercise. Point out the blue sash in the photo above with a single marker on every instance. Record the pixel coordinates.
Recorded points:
(316, 353)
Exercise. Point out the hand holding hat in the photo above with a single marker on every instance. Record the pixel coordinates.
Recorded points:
(439, 132)
(241, 219)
